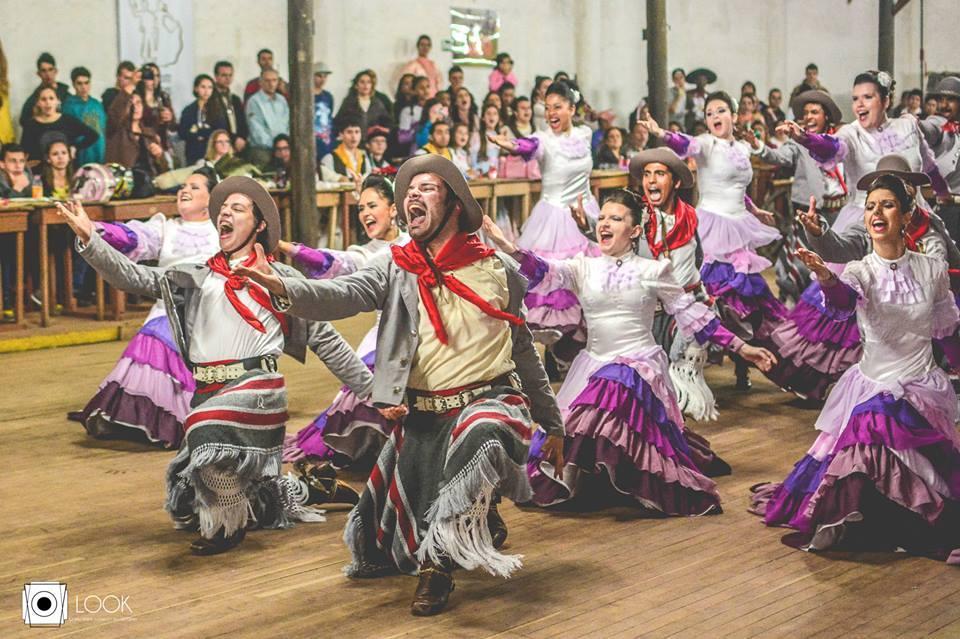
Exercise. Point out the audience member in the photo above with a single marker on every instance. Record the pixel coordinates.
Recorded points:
(610, 155)
(157, 105)
(464, 111)
(408, 120)
(268, 115)
(231, 104)
(910, 102)
(507, 93)
(384, 98)
(47, 119)
(639, 139)
(405, 94)
(47, 72)
(460, 150)
(433, 111)
(423, 65)
(521, 124)
(265, 62)
(200, 118)
(346, 163)
(7, 134)
(439, 141)
(126, 81)
(129, 142)
(677, 109)
(454, 79)
(56, 169)
(361, 104)
(219, 146)
(322, 110)
(811, 82)
(746, 109)
(279, 165)
(931, 106)
(16, 180)
(488, 153)
(503, 72)
(90, 111)
(538, 99)
(773, 114)
(375, 158)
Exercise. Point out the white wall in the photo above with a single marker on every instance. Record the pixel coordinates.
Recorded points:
(599, 40)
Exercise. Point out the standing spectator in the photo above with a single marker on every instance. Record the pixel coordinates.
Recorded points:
(488, 154)
(423, 65)
(811, 82)
(279, 165)
(16, 180)
(439, 141)
(362, 104)
(265, 61)
(47, 72)
(7, 134)
(538, 98)
(90, 111)
(405, 94)
(638, 140)
(408, 120)
(697, 98)
(387, 102)
(129, 142)
(126, 77)
(46, 119)
(773, 114)
(268, 115)
(911, 102)
(231, 104)
(931, 106)
(433, 111)
(346, 163)
(521, 124)
(455, 79)
(322, 110)
(507, 93)
(56, 168)
(157, 105)
(200, 118)
(460, 150)
(503, 72)
(677, 110)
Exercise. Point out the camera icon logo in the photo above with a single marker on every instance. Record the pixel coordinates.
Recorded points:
(44, 603)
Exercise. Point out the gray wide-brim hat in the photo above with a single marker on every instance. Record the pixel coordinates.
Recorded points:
(259, 195)
(947, 87)
(893, 164)
(707, 74)
(818, 97)
(665, 156)
(471, 215)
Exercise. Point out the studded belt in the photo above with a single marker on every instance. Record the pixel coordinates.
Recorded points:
(454, 399)
(227, 371)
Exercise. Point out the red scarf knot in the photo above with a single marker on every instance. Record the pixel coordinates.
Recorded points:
(917, 228)
(461, 250)
(684, 228)
(951, 127)
(219, 264)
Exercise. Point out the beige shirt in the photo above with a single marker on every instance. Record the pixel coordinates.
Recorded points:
(480, 347)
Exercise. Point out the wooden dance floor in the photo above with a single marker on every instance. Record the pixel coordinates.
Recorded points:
(89, 514)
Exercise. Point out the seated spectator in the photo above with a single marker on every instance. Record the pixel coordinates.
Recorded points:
(265, 62)
(268, 116)
(219, 146)
(157, 105)
(507, 93)
(911, 102)
(460, 150)
(90, 111)
(503, 72)
(439, 142)
(444, 98)
(375, 158)
(232, 105)
(433, 111)
(129, 142)
(279, 165)
(931, 106)
(408, 120)
(488, 153)
(422, 65)
(47, 72)
(322, 110)
(56, 169)
(464, 111)
(677, 109)
(361, 104)
(384, 98)
(746, 110)
(538, 99)
(200, 118)
(493, 98)
(16, 180)
(126, 79)
(405, 95)
(610, 155)
(604, 124)
(454, 80)
(47, 119)
(346, 163)
(773, 114)
(521, 124)
(639, 139)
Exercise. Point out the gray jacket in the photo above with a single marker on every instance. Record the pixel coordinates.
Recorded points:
(179, 287)
(854, 243)
(946, 148)
(382, 285)
(808, 178)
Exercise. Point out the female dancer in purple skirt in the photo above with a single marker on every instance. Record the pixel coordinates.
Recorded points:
(731, 228)
(816, 345)
(884, 472)
(619, 405)
(566, 161)
(150, 388)
(350, 427)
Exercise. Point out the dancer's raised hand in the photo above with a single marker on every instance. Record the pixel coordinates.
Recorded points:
(810, 220)
(579, 214)
(651, 125)
(494, 234)
(261, 272)
(765, 216)
(791, 129)
(759, 357)
(77, 219)
(816, 265)
(503, 142)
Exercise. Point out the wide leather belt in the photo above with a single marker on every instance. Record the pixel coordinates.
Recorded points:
(228, 371)
(950, 199)
(447, 400)
(834, 203)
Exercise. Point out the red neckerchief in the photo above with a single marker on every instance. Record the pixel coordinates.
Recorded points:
(683, 229)
(917, 228)
(459, 251)
(219, 264)
(951, 127)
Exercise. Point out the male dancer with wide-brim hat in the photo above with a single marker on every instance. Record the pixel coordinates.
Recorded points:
(226, 476)
(943, 135)
(453, 351)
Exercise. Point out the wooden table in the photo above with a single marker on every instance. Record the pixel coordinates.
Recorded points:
(605, 180)
(124, 211)
(336, 202)
(15, 221)
(520, 191)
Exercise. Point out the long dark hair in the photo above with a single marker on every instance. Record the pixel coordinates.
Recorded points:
(46, 171)
(213, 109)
(513, 116)
(472, 117)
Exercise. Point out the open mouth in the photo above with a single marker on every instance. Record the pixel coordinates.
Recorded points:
(654, 195)
(416, 215)
(554, 122)
(863, 115)
(369, 223)
(716, 126)
(225, 228)
(879, 225)
(185, 197)
(604, 236)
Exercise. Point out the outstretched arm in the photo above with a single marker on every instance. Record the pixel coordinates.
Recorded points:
(324, 340)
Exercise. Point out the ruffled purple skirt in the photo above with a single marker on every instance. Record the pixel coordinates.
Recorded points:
(814, 346)
(748, 307)
(887, 478)
(148, 390)
(347, 430)
(621, 425)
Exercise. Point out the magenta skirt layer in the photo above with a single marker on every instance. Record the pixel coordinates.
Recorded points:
(889, 479)
(148, 390)
(814, 346)
(346, 431)
(619, 426)
(746, 296)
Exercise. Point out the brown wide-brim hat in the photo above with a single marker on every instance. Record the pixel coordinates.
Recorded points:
(893, 164)
(817, 97)
(471, 215)
(662, 155)
(260, 197)
(948, 87)
(709, 75)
